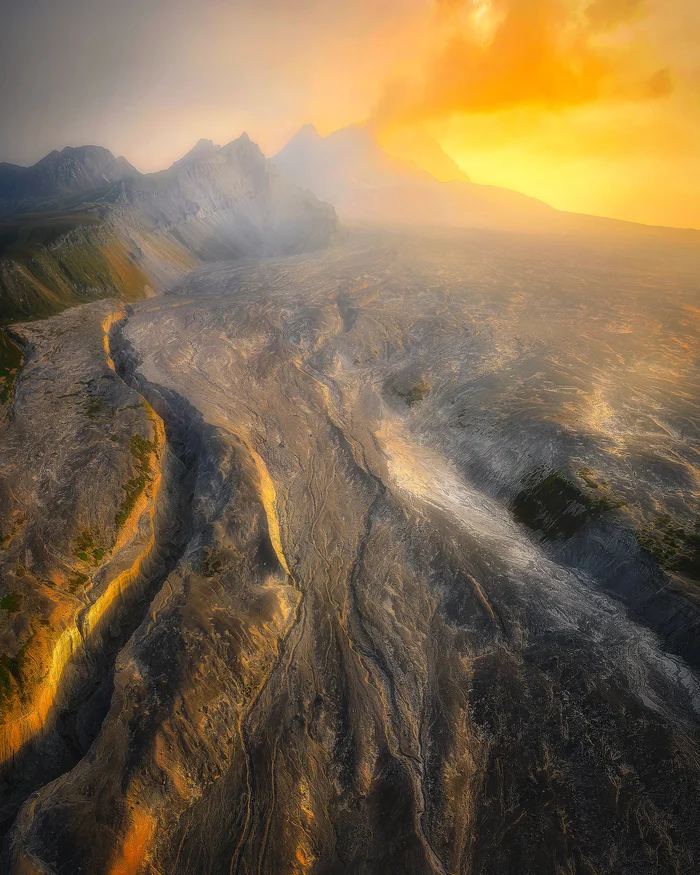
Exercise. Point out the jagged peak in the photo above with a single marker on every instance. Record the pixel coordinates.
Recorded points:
(203, 148)
(306, 137)
(51, 158)
(307, 132)
(244, 143)
(87, 155)
(83, 150)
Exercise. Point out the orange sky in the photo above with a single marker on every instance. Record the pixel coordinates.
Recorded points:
(591, 105)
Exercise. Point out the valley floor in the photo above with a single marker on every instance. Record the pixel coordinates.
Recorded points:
(379, 560)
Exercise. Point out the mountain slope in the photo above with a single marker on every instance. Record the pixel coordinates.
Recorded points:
(227, 201)
(363, 181)
(140, 234)
(366, 183)
(344, 162)
(417, 145)
(68, 172)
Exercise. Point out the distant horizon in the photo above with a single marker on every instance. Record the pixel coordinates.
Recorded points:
(270, 156)
(591, 106)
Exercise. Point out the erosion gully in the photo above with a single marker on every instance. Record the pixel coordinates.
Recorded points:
(85, 691)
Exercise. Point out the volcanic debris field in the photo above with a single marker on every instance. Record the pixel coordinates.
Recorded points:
(383, 559)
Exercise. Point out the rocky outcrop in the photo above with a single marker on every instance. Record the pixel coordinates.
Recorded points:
(228, 202)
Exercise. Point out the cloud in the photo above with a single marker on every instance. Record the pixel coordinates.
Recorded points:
(606, 14)
(660, 84)
(540, 53)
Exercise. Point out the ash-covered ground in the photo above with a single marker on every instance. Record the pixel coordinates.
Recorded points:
(433, 601)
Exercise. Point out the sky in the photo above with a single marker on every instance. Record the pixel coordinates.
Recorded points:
(590, 105)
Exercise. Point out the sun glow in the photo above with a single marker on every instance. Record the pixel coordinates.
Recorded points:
(591, 105)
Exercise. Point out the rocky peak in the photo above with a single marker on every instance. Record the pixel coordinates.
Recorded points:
(306, 134)
(202, 150)
(73, 170)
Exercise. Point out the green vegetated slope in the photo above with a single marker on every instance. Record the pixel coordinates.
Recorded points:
(10, 360)
(34, 281)
(147, 232)
(557, 504)
(51, 261)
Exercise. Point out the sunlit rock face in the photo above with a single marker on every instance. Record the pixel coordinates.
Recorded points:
(427, 595)
(82, 459)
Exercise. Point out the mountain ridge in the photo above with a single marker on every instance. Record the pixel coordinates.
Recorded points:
(71, 171)
(364, 182)
(140, 233)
